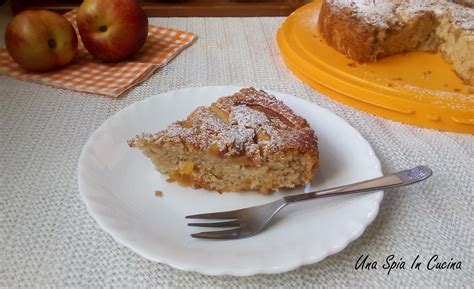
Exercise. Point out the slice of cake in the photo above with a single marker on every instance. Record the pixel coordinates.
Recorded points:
(247, 141)
(367, 30)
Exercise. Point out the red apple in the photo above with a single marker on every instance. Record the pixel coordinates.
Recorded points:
(40, 40)
(112, 30)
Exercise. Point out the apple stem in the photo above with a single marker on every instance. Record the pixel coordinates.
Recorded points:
(52, 43)
(103, 28)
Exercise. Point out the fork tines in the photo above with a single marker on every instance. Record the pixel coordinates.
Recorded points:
(230, 221)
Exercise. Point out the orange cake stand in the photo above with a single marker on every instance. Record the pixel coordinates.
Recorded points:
(416, 88)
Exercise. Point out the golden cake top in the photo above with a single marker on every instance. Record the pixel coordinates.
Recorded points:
(249, 123)
(386, 13)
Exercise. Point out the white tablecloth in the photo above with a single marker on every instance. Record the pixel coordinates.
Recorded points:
(48, 238)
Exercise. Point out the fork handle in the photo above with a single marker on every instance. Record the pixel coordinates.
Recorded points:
(402, 178)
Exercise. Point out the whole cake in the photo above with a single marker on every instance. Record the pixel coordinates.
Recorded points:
(367, 30)
(247, 141)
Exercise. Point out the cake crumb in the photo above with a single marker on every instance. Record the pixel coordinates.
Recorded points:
(158, 194)
(426, 74)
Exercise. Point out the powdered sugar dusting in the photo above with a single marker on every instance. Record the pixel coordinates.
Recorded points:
(375, 12)
(462, 17)
(250, 123)
(244, 116)
(382, 13)
(463, 101)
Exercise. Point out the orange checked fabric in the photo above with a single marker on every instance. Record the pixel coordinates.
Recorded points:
(86, 74)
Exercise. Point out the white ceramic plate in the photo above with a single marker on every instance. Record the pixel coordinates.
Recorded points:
(117, 184)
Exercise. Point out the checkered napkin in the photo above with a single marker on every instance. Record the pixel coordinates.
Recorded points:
(87, 74)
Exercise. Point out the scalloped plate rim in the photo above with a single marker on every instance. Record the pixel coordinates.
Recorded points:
(203, 269)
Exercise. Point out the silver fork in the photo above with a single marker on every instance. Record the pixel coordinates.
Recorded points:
(249, 221)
